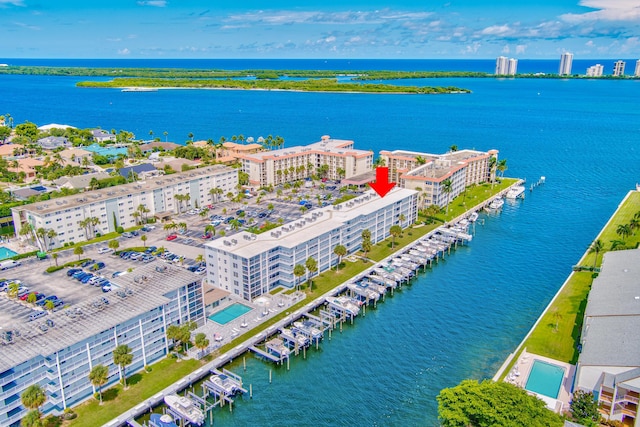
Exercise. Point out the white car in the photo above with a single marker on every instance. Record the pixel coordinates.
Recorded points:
(104, 250)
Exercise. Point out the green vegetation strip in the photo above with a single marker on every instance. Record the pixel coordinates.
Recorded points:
(142, 385)
(558, 333)
(167, 371)
(312, 85)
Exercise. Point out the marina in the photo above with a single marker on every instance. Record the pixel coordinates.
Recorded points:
(308, 327)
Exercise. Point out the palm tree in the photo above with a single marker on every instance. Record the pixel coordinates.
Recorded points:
(200, 258)
(33, 398)
(78, 251)
(201, 341)
(99, 376)
(165, 133)
(122, 357)
(144, 240)
(182, 226)
(210, 229)
(447, 187)
(299, 271)
(492, 169)
(395, 231)
(13, 289)
(453, 148)
(502, 167)
(340, 251)
(623, 231)
(312, 266)
(596, 247)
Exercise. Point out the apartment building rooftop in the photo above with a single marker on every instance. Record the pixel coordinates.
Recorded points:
(326, 145)
(150, 184)
(616, 291)
(314, 223)
(143, 291)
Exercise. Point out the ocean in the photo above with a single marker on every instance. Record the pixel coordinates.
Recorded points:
(464, 317)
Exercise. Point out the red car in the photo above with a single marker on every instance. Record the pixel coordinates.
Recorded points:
(172, 237)
(206, 236)
(26, 296)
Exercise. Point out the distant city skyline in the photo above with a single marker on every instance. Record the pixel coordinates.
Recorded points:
(456, 29)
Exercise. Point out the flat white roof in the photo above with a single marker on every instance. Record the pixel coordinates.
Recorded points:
(316, 222)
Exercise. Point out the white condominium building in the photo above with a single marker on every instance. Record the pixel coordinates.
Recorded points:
(116, 206)
(337, 158)
(566, 60)
(618, 68)
(425, 172)
(637, 71)
(57, 351)
(506, 66)
(249, 265)
(595, 70)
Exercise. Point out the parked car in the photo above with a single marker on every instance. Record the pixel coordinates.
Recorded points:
(73, 271)
(104, 250)
(172, 237)
(148, 228)
(127, 235)
(134, 256)
(37, 315)
(135, 232)
(22, 290)
(87, 263)
(206, 236)
(151, 249)
(86, 278)
(26, 296)
(116, 273)
(43, 301)
(106, 288)
(99, 266)
(201, 270)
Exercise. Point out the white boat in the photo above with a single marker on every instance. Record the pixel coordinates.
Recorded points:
(515, 192)
(473, 217)
(160, 420)
(225, 383)
(185, 407)
(496, 204)
(343, 304)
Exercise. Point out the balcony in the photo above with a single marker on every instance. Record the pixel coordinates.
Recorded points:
(606, 396)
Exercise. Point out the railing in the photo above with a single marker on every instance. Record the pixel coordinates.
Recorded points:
(606, 397)
(630, 398)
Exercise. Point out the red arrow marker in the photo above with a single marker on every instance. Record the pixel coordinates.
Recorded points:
(382, 185)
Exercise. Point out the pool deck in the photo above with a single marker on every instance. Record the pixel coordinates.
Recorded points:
(519, 375)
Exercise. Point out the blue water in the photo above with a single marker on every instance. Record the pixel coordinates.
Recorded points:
(545, 378)
(230, 313)
(460, 320)
(6, 253)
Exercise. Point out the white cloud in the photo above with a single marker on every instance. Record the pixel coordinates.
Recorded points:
(506, 49)
(495, 30)
(606, 10)
(590, 43)
(27, 26)
(124, 51)
(6, 3)
(520, 49)
(472, 48)
(154, 3)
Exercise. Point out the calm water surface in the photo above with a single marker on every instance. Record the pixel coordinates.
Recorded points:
(461, 319)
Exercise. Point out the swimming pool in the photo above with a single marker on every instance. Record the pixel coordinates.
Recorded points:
(6, 253)
(545, 378)
(230, 313)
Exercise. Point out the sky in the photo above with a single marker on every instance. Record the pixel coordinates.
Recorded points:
(461, 29)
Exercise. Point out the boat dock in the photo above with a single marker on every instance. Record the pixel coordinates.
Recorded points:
(331, 309)
(222, 385)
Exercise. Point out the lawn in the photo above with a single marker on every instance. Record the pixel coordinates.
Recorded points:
(558, 333)
(142, 385)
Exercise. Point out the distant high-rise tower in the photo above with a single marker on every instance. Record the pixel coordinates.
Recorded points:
(637, 73)
(595, 70)
(513, 67)
(565, 64)
(502, 64)
(618, 68)
(506, 66)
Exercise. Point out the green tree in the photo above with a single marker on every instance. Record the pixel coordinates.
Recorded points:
(492, 404)
(312, 267)
(395, 231)
(502, 167)
(623, 231)
(596, 247)
(144, 240)
(122, 357)
(12, 290)
(33, 398)
(78, 251)
(447, 188)
(339, 251)
(299, 271)
(114, 244)
(55, 256)
(32, 419)
(584, 408)
(31, 298)
(181, 333)
(201, 341)
(98, 376)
